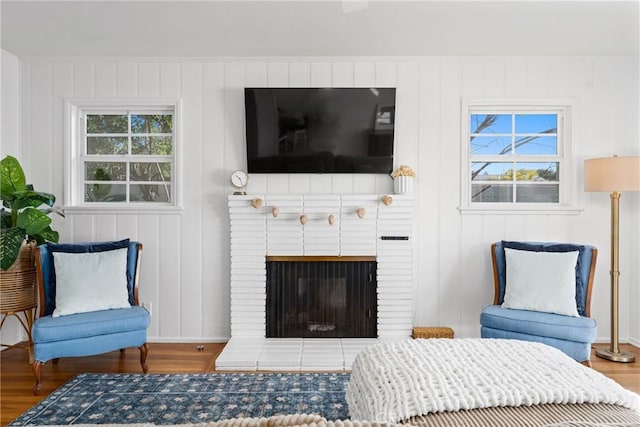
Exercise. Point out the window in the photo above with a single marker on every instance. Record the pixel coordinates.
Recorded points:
(123, 155)
(517, 157)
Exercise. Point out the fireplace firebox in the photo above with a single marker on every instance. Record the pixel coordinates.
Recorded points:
(321, 298)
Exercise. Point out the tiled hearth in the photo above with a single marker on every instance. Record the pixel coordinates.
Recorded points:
(291, 354)
(315, 226)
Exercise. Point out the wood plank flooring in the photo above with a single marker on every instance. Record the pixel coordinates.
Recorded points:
(16, 380)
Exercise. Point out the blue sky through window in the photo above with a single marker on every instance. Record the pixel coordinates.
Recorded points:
(536, 123)
(501, 124)
(532, 134)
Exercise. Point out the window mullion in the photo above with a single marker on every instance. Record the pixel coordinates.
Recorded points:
(129, 132)
(79, 190)
(128, 172)
(513, 134)
(514, 170)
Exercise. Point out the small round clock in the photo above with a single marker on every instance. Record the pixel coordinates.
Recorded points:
(239, 181)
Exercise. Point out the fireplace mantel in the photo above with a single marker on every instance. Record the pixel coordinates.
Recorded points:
(377, 226)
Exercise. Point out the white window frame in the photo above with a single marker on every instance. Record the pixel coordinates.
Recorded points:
(568, 180)
(75, 110)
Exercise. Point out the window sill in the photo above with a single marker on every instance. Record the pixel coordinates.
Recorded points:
(131, 210)
(520, 210)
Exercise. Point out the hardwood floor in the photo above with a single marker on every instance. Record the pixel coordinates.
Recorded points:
(17, 379)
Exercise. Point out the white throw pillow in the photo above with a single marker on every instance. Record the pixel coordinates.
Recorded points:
(90, 281)
(541, 281)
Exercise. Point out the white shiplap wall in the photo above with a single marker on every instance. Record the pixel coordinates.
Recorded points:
(11, 331)
(185, 270)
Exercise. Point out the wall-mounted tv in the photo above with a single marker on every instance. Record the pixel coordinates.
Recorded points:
(320, 130)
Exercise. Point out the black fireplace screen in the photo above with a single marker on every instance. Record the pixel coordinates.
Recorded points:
(321, 299)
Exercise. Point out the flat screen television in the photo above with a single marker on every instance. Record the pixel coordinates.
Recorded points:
(320, 130)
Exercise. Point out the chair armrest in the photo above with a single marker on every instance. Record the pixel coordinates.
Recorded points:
(496, 279)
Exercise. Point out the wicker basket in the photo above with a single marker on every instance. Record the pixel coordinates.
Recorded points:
(18, 283)
(432, 332)
(18, 290)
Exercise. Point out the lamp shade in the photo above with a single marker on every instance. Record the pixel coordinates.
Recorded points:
(612, 174)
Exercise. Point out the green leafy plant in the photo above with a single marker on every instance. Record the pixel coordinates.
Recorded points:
(25, 212)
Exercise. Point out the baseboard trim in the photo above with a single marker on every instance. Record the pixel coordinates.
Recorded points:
(621, 340)
(181, 340)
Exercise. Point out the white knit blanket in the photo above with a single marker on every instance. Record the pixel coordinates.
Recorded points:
(393, 381)
(288, 420)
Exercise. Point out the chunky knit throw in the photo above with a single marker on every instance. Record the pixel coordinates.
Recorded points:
(289, 420)
(394, 381)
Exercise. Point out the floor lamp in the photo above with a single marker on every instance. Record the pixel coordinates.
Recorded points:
(614, 175)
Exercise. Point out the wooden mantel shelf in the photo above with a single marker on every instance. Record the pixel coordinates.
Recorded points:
(321, 258)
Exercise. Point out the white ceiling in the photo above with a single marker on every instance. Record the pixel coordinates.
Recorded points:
(319, 28)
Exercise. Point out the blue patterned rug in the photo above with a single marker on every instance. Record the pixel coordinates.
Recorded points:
(188, 398)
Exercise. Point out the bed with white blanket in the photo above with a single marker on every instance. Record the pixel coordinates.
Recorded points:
(483, 382)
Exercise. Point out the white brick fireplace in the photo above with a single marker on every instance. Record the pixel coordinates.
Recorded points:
(315, 225)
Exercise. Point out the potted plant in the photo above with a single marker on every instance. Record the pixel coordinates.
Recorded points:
(25, 213)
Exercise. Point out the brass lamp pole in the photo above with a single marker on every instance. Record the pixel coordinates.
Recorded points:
(613, 174)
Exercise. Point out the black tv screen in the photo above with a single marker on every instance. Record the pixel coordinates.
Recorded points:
(320, 130)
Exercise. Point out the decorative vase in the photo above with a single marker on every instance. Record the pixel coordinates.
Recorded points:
(403, 184)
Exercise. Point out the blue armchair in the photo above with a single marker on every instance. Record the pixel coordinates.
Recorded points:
(569, 333)
(89, 331)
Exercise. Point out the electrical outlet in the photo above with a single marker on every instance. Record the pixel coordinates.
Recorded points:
(147, 306)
